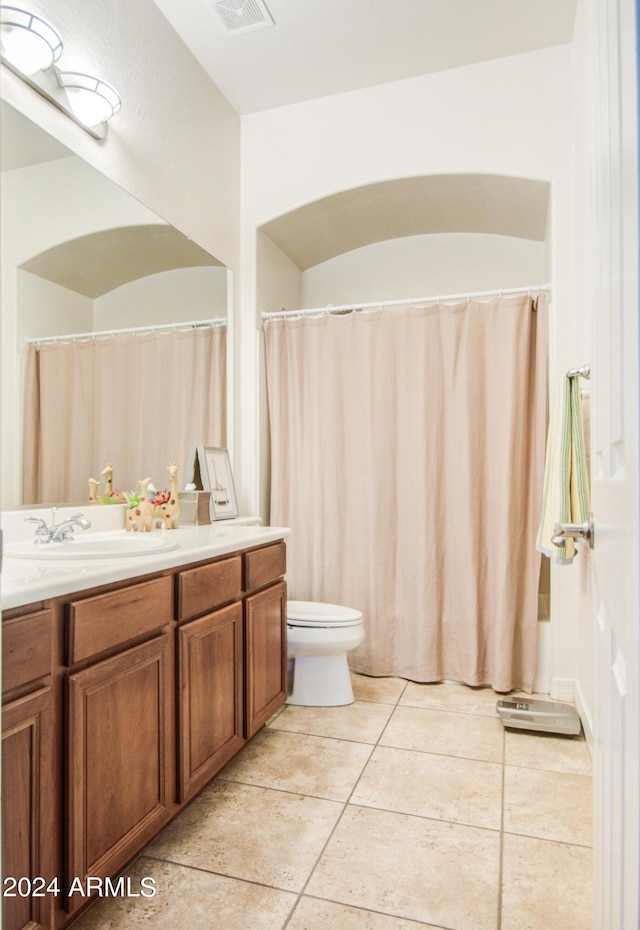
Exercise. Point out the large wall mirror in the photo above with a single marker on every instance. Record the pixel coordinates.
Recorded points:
(80, 256)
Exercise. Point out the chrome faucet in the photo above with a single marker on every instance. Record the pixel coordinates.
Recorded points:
(63, 531)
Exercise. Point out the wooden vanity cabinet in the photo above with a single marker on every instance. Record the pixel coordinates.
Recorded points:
(119, 705)
(120, 731)
(27, 771)
(265, 635)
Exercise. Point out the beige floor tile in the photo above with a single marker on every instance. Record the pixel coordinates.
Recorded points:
(190, 898)
(314, 914)
(548, 805)
(453, 697)
(312, 765)
(466, 735)
(426, 870)
(418, 844)
(546, 885)
(250, 833)
(544, 751)
(380, 690)
(443, 787)
(361, 722)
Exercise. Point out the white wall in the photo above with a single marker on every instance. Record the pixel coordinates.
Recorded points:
(183, 294)
(279, 280)
(279, 283)
(47, 309)
(424, 266)
(508, 117)
(175, 143)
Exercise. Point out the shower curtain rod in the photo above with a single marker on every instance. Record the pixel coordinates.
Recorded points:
(132, 330)
(504, 292)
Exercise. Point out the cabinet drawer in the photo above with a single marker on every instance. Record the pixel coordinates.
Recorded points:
(201, 589)
(264, 565)
(26, 649)
(107, 620)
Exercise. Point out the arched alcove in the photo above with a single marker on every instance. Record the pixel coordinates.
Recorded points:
(97, 263)
(430, 204)
(136, 275)
(407, 237)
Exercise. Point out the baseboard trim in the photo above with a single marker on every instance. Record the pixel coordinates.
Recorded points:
(563, 689)
(585, 717)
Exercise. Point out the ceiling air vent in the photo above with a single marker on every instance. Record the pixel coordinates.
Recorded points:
(243, 15)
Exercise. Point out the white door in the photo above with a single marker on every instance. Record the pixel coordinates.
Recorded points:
(615, 475)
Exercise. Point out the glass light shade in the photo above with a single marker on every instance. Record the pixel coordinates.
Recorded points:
(29, 43)
(92, 101)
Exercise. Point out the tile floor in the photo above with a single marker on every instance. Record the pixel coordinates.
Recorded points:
(412, 808)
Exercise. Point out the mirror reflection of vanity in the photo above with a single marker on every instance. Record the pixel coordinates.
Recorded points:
(81, 256)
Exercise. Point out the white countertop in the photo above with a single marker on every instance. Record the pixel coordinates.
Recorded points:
(25, 581)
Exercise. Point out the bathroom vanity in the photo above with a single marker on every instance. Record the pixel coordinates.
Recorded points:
(127, 685)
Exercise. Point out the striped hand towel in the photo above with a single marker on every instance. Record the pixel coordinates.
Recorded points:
(566, 477)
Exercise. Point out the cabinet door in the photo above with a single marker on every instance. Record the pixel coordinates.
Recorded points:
(266, 655)
(27, 803)
(119, 762)
(210, 696)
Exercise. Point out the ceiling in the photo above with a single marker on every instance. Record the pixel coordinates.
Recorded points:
(23, 143)
(322, 47)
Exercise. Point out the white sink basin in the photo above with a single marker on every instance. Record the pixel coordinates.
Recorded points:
(118, 545)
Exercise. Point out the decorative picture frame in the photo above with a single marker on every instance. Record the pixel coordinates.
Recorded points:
(216, 476)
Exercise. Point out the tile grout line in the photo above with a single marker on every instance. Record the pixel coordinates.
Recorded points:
(344, 807)
(297, 896)
(347, 803)
(501, 854)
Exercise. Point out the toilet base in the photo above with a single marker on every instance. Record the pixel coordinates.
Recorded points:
(321, 681)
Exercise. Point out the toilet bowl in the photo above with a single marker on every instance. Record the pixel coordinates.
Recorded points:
(319, 636)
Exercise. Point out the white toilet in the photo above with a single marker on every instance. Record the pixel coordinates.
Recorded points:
(319, 636)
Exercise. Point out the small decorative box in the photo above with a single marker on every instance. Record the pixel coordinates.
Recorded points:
(195, 508)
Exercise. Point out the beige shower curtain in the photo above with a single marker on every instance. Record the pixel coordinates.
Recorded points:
(407, 457)
(138, 401)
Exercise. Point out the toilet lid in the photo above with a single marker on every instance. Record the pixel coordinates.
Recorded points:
(311, 613)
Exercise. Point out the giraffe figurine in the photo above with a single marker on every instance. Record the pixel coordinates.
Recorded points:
(107, 472)
(169, 510)
(140, 516)
(93, 490)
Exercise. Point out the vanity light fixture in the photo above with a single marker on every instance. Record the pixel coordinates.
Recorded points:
(30, 47)
(29, 42)
(93, 101)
